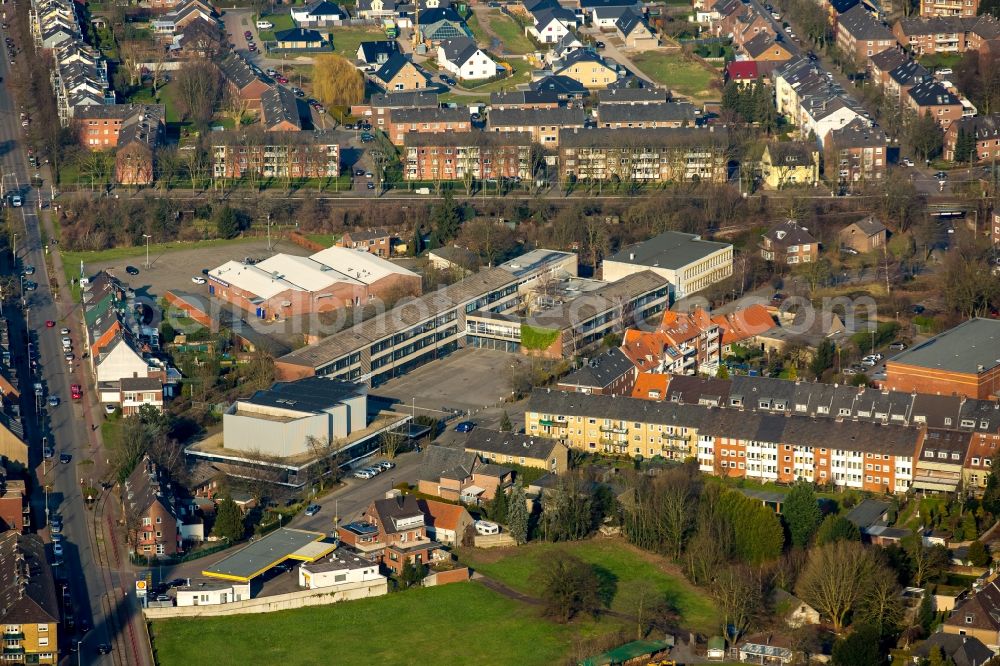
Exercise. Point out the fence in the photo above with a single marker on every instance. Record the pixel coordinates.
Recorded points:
(142, 560)
(302, 241)
(301, 599)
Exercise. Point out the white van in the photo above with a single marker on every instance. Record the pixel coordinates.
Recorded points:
(486, 527)
(264, 25)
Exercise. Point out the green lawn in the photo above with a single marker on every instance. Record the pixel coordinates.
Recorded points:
(346, 40)
(634, 572)
(936, 60)
(145, 96)
(280, 21)
(462, 623)
(510, 33)
(522, 74)
(326, 240)
(686, 77)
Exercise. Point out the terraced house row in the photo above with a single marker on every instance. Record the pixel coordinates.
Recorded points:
(777, 430)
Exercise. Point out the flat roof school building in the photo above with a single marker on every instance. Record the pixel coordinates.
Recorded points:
(286, 285)
(423, 328)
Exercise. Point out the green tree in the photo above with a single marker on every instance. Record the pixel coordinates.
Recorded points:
(757, 532)
(937, 657)
(801, 513)
(498, 507)
(836, 528)
(417, 245)
(228, 520)
(823, 360)
(517, 514)
(722, 372)
(860, 648)
(568, 586)
(979, 554)
(925, 613)
(964, 146)
(446, 218)
(227, 222)
(505, 424)
(411, 574)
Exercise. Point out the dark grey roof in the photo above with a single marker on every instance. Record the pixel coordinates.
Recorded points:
(860, 24)
(237, 71)
(396, 62)
(665, 112)
(27, 586)
(857, 134)
(870, 226)
(559, 116)
(761, 43)
(981, 127)
(403, 99)
(698, 390)
(446, 461)
(298, 35)
(370, 51)
(932, 93)
(279, 105)
(889, 59)
(561, 85)
(869, 512)
(841, 6)
(909, 73)
(629, 21)
(459, 50)
(311, 394)
(791, 153)
(646, 95)
(971, 347)
(604, 137)
(140, 384)
(790, 232)
(945, 446)
(749, 425)
(671, 249)
(601, 371)
(547, 15)
(263, 553)
(324, 8)
(431, 114)
(523, 97)
(474, 138)
(482, 440)
(963, 650)
(392, 509)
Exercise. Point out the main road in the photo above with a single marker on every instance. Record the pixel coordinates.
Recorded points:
(60, 487)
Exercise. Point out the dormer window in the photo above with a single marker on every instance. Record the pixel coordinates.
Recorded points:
(968, 619)
(943, 454)
(947, 421)
(968, 423)
(845, 411)
(955, 456)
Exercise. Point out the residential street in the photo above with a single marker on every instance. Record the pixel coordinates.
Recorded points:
(65, 425)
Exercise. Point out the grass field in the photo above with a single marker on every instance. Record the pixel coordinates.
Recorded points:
(522, 74)
(633, 571)
(346, 40)
(509, 31)
(281, 22)
(166, 92)
(462, 623)
(326, 240)
(686, 77)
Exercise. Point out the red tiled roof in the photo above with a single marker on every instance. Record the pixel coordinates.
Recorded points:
(742, 70)
(744, 324)
(648, 382)
(441, 514)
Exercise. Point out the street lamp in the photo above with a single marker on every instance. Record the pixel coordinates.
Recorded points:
(147, 237)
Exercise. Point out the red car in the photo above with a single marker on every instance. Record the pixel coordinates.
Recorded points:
(50, 324)
(282, 80)
(76, 391)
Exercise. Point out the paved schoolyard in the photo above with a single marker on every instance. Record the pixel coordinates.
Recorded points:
(467, 380)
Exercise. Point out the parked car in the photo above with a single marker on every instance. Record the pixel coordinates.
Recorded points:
(371, 186)
(65, 458)
(197, 279)
(110, 408)
(49, 323)
(897, 346)
(270, 71)
(849, 250)
(48, 452)
(386, 465)
(363, 474)
(53, 401)
(599, 45)
(312, 509)
(103, 648)
(29, 270)
(907, 162)
(359, 172)
(465, 426)
(57, 549)
(131, 270)
(76, 391)
(63, 331)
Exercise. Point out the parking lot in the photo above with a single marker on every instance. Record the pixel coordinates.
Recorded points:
(470, 380)
(174, 268)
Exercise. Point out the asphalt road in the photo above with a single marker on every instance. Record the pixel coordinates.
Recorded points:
(63, 425)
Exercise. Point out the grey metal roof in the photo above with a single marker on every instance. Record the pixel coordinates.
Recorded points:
(404, 99)
(474, 138)
(559, 116)
(868, 512)
(665, 112)
(263, 553)
(509, 443)
(655, 137)
(279, 105)
(671, 249)
(971, 347)
(431, 114)
(311, 394)
(857, 134)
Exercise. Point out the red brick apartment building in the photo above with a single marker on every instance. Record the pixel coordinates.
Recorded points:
(949, 7)
(238, 154)
(151, 518)
(856, 154)
(964, 360)
(426, 120)
(933, 99)
(985, 130)
(466, 155)
(861, 36)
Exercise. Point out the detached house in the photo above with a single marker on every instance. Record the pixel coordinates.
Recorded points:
(789, 243)
(375, 241)
(587, 68)
(400, 531)
(461, 476)
(465, 60)
(441, 24)
(399, 73)
(318, 14)
(978, 616)
(864, 235)
(787, 163)
(635, 32)
(152, 520)
(550, 24)
(377, 52)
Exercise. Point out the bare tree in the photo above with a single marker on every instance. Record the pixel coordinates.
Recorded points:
(391, 443)
(197, 89)
(738, 592)
(837, 577)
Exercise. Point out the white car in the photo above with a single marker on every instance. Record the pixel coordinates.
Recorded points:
(198, 280)
(109, 408)
(66, 342)
(907, 162)
(64, 331)
(57, 549)
(363, 474)
(264, 25)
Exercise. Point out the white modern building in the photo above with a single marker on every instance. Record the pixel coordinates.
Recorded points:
(339, 568)
(689, 263)
(465, 60)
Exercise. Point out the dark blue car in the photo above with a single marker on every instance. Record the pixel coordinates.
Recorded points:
(465, 426)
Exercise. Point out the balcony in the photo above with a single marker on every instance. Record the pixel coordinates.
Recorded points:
(552, 424)
(16, 636)
(614, 430)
